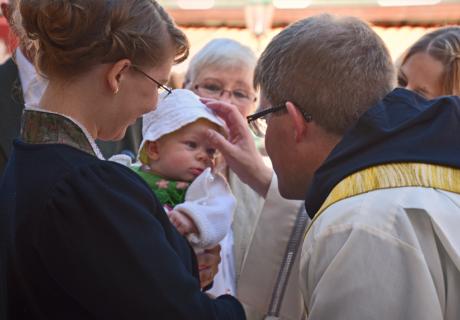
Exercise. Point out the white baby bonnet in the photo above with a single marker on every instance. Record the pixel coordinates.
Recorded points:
(173, 112)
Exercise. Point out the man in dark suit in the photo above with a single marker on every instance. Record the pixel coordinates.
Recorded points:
(11, 106)
(12, 102)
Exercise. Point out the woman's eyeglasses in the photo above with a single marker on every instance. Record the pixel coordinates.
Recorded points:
(161, 87)
(258, 121)
(216, 91)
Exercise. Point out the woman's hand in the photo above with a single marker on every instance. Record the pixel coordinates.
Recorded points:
(208, 265)
(239, 150)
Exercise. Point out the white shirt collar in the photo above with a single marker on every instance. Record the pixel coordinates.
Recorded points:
(33, 85)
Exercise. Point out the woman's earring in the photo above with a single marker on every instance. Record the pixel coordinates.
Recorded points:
(116, 90)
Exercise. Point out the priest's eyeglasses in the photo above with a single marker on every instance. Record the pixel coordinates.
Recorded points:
(258, 121)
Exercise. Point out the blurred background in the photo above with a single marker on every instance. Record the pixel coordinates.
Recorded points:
(255, 22)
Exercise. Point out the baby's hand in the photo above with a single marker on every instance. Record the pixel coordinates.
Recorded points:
(182, 222)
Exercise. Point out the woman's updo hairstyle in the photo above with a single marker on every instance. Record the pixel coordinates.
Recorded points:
(443, 45)
(71, 36)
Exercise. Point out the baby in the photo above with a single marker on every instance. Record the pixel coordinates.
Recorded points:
(174, 153)
(176, 162)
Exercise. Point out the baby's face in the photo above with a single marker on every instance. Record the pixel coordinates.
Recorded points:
(184, 154)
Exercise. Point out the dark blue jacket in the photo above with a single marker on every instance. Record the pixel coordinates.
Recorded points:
(87, 239)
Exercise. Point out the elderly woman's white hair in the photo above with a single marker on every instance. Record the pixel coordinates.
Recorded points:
(220, 53)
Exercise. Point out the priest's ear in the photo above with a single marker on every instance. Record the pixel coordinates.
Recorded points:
(298, 121)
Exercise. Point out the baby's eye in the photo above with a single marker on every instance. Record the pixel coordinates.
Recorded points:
(191, 144)
(211, 152)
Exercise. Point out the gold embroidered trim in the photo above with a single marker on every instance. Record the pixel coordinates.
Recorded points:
(394, 175)
(41, 127)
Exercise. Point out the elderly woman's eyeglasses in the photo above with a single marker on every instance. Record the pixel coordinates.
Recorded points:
(216, 91)
(258, 121)
(161, 87)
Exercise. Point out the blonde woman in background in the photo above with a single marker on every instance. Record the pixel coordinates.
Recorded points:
(266, 226)
(431, 66)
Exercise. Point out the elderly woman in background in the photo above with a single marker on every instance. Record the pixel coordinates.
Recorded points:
(431, 66)
(86, 238)
(262, 238)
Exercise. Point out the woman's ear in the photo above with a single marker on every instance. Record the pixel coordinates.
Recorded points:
(298, 121)
(152, 149)
(115, 74)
